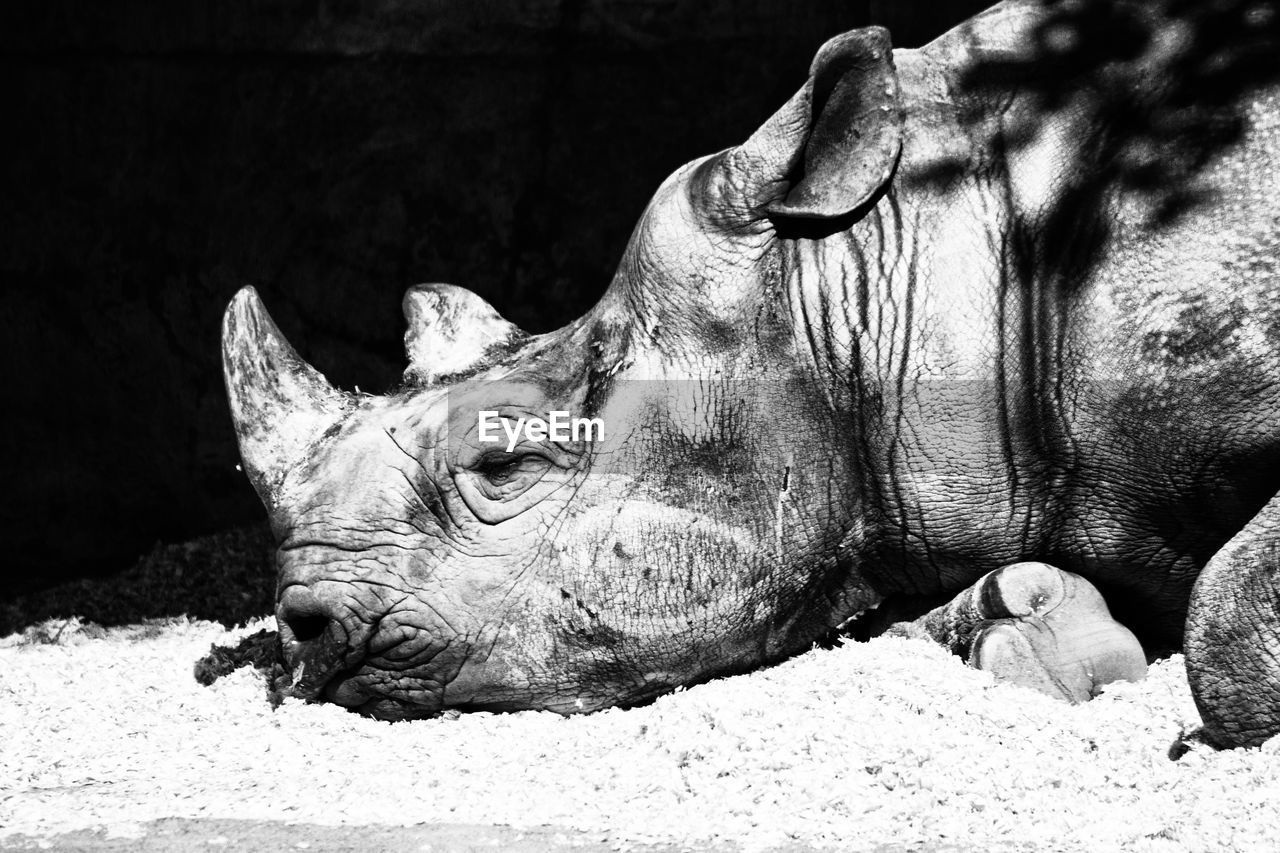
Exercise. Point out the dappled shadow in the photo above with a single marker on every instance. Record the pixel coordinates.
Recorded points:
(1167, 79)
(1158, 88)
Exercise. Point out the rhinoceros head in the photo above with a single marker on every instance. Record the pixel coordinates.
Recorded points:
(698, 523)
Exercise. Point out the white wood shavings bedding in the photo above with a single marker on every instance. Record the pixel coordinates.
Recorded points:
(892, 741)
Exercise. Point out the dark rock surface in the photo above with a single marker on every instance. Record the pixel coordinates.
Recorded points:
(227, 577)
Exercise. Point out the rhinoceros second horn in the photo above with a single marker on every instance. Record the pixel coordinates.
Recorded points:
(280, 404)
(451, 331)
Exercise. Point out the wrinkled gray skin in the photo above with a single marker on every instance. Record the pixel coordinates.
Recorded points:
(881, 402)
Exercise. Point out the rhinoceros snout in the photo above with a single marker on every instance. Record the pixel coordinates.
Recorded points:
(313, 642)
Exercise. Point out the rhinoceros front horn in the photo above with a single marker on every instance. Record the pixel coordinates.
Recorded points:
(280, 404)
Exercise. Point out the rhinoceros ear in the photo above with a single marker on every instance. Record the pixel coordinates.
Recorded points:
(451, 331)
(280, 404)
(834, 144)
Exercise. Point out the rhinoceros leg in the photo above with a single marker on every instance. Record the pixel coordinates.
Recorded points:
(1233, 635)
(1037, 626)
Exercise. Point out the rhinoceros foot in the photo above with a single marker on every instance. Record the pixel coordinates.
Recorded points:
(1233, 627)
(1037, 626)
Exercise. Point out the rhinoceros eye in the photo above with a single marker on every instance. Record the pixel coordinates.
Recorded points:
(504, 469)
(499, 472)
(509, 457)
(498, 485)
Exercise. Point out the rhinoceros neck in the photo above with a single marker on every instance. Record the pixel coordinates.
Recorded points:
(952, 382)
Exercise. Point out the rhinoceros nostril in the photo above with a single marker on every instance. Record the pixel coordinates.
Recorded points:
(303, 614)
(306, 628)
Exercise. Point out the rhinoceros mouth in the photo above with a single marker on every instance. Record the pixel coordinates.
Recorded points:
(381, 685)
(391, 696)
(348, 690)
(344, 689)
(358, 691)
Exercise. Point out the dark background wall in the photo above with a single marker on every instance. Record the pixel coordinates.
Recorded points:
(331, 152)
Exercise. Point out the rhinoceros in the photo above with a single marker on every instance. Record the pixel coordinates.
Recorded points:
(916, 341)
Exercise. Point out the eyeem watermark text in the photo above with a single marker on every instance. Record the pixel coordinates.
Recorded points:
(561, 427)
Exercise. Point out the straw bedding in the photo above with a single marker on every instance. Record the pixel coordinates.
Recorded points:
(891, 742)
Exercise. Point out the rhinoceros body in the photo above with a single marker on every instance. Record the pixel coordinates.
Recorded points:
(910, 331)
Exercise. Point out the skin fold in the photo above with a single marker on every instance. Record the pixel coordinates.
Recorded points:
(916, 328)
